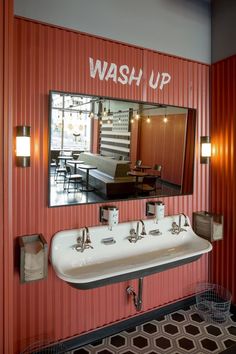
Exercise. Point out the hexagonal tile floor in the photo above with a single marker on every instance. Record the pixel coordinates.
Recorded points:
(181, 332)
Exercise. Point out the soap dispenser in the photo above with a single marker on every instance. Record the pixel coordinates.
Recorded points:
(156, 209)
(109, 214)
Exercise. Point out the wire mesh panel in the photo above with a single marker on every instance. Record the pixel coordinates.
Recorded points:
(45, 347)
(213, 302)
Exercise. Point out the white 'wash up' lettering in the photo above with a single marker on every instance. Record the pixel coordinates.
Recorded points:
(124, 75)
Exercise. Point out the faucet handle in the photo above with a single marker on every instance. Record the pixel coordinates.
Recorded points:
(86, 246)
(88, 239)
(174, 226)
(143, 232)
(79, 240)
(132, 236)
(132, 232)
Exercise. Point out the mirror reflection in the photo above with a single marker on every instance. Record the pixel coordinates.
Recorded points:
(103, 149)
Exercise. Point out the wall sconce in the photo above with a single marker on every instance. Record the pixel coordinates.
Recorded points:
(205, 149)
(23, 146)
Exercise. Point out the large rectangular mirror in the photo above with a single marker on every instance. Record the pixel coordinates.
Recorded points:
(103, 149)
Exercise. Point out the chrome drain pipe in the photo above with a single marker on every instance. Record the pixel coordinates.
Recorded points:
(137, 298)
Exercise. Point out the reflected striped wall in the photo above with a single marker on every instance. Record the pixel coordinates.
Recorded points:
(51, 58)
(115, 135)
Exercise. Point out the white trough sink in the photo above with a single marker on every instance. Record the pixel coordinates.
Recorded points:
(123, 260)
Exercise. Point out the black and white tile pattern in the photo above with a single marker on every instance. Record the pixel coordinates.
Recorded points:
(181, 332)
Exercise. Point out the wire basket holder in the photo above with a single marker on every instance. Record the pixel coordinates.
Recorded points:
(213, 302)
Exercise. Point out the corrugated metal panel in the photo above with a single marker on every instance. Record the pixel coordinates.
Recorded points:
(51, 58)
(1, 177)
(223, 187)
(6, 242)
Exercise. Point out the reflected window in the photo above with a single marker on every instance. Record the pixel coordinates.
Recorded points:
(70, 122)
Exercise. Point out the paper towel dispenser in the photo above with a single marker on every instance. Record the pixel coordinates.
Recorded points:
(33, 258)
(208, 225)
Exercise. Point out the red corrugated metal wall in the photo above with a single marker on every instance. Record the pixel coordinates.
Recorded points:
(47, 58)
(1, 172)
(6, 238)
(223, 186)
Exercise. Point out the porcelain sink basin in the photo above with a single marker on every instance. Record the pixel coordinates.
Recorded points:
(121, 260)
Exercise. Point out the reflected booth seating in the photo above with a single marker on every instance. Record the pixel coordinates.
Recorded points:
(110, 178)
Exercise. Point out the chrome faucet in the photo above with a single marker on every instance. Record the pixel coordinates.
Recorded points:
(186, 224)
(84, 241)
(143, 231)
(176, 229)
(134, 235)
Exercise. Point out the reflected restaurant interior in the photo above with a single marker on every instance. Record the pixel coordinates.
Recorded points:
(104, 149)
(117, 213)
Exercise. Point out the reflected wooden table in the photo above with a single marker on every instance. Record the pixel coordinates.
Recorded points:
(87, 168)
(143, 168)
(137, 174)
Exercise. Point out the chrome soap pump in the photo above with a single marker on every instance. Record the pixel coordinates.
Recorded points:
(156, 209)
(109, 214)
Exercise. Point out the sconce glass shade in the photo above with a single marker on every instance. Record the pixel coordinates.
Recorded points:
(23, 146)
(205, 149)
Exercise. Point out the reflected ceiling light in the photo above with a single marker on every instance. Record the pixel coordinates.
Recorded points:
(148, 119)
(205, 149)
(137, 116)
(23, 146)
(104, 112)
(165, 119)
(132, 120)
(119, 120)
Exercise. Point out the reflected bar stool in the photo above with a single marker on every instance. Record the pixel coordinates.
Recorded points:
(60, 172)
(74, 179)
